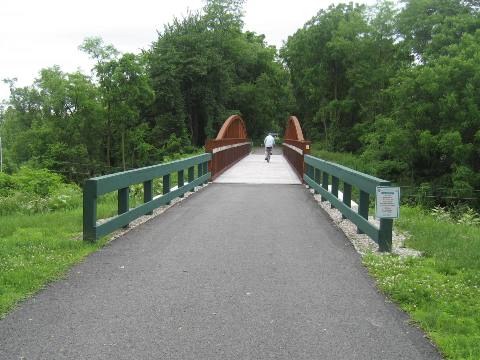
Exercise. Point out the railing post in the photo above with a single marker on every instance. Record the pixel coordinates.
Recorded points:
(166, 185)
(363, 207)
(308, 171)
(191, 174)
(347, 196)
(335, 183)
(123, 205)
(89, 211)
(205, 170)
(316, 177)
(148, 192)
(324, 184)
(385, 235)
(181, 179)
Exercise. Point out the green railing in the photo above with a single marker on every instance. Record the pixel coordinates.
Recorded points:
(120, 182)
(319, 174)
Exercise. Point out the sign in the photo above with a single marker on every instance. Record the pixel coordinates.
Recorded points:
(387, 205)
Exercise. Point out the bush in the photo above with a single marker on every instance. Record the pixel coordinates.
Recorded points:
(6, 184)
(32, 191)
(36, 181)
(459, 214)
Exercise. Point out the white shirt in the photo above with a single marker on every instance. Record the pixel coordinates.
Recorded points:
(269, 141)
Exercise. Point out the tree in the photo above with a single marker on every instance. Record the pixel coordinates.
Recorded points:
(430, 26)
(204, 66)
(340, 62)
(125, 90)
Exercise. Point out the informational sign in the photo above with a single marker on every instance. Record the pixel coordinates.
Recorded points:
(387, 205)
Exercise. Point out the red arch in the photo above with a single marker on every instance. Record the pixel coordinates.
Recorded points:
(232, 128)
(293, 130)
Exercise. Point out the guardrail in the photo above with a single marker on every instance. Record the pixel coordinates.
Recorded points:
(319, 174)
(226, 153)
(121, 181)
(294, 151)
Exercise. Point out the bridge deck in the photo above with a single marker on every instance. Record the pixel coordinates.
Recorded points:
(253, 169)
(232, 272)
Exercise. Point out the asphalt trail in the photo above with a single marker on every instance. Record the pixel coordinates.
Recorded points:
(232, 272)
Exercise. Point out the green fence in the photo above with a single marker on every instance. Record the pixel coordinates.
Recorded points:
(120, 182)
(319, 174)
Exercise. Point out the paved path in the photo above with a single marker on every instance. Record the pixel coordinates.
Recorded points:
(253, 169)
(232, 272)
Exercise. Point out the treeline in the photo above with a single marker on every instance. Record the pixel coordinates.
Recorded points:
(140, 109)
(398, 84)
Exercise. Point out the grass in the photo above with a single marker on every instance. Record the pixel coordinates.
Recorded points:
(441, 290)
(36, 249)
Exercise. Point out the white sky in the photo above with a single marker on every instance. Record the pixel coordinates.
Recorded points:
(35, 34)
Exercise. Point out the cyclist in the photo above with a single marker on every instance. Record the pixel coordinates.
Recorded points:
(269, 143)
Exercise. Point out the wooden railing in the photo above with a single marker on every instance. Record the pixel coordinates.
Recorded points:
(325, 177)
(121, 182)
(230, 146)
(295, 146)
(226, 153)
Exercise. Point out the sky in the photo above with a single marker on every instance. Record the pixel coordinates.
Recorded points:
(38, 34)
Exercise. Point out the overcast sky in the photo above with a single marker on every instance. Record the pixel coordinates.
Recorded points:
(35, 34)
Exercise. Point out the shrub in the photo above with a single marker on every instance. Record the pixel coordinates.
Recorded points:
(32, 191)
(6, 184)
(36, 181)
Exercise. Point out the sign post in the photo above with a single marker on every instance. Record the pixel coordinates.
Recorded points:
(387, 208)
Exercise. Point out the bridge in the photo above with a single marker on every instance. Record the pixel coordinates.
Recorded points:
(248, 267)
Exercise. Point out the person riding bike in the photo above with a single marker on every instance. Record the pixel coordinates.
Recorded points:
(269, 143)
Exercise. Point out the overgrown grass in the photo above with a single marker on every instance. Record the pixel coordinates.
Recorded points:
(441, 290)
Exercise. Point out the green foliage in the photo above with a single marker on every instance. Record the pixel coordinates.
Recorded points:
(31, 191)
(459, 214)
(203, 65)
(357, 90)
(136, 110)
(340, 63)
(440, 290)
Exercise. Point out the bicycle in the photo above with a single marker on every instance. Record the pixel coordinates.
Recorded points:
(268, 151)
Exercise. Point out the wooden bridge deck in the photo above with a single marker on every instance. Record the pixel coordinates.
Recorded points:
(253, 169)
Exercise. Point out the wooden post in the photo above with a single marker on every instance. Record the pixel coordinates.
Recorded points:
(347, 196)
(316, 177)
(166, 185)
(324, 184)
(181, 179)
(191, 174)
(148, 192)
(89, 211)
(335, 183)
(123, 201)
(385, 235)
(363, 207)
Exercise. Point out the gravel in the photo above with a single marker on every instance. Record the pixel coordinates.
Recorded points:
(363, 243)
